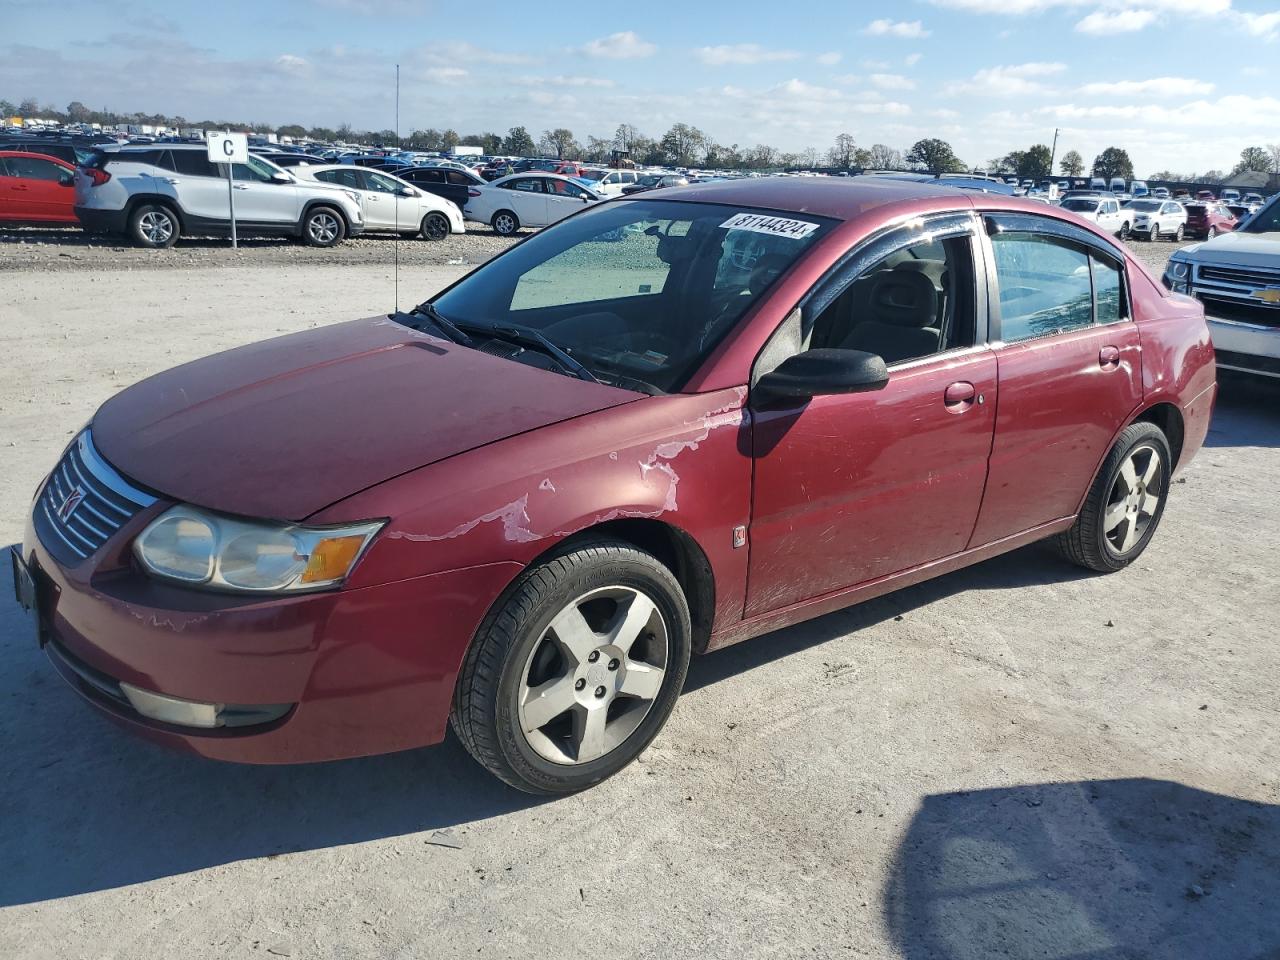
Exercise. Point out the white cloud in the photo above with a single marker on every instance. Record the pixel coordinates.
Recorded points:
(469, 52)
(1153, 87)
(626, 45)
(1264, 25)
(892, 81)
(899, 28)
(876, 65)
(1203, 8)
(290, 63)
(829, 59)
(445, 74)
(571, 81)
(747, 53)
(1009, 81)
(1104, 23)
(912, 59)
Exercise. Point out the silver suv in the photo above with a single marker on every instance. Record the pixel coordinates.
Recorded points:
(155, 193)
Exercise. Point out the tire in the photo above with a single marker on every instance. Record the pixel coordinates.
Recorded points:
(505, 223)
(1211, 233)
(322, 227)
(627, 688)
(1124, 230)
(1154, 233)
(436, 227)
(1098, 540)
(154, 225)
(1179, 233)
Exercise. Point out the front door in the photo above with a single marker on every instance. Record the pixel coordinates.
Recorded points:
(258, 198)
(1070, 367)
(849, 489)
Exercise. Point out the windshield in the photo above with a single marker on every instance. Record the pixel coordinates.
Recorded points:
(1266, 220)
(1145, 205)
(1080, 204)
(637, 290)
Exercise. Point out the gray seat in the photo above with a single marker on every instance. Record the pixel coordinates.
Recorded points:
(902, 310)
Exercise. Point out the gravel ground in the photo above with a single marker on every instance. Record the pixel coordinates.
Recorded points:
(1015, 760)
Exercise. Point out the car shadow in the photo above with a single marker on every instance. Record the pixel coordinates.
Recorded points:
(1246, 412)
(1032, 565)
(1091, 870)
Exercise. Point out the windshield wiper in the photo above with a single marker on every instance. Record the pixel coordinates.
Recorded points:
(528, 337)
(451, 329)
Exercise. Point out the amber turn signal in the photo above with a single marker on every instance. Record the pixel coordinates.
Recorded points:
(332, 558)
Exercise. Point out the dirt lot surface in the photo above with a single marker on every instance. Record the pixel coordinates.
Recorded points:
(1016, 760)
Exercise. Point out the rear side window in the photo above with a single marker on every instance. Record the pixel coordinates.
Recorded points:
(1045, 286)
(343, 178)
(193, 163)
(1108, 291)
(457, 176)
(4, 170)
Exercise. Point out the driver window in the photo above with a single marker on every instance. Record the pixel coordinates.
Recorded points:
(380, 184)
(913, 303)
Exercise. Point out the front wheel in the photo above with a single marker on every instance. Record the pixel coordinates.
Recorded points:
(1125, 503)
(435, 226)
(575, 670)
(505, 223)
(1154, 235)
(1211, 232)
(1179, 233)
(322, 227)
(1124, 230)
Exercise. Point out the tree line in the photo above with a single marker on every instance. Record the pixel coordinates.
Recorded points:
(683, 145)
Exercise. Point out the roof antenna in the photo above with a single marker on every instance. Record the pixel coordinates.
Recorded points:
(397, 194)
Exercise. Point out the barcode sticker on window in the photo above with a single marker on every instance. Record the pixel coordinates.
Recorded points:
(774, 226)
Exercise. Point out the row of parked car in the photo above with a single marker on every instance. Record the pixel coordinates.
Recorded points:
(1155, 219)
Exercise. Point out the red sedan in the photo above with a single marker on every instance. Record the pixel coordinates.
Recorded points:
(36, 189)
(1207, 220)
(655, 429)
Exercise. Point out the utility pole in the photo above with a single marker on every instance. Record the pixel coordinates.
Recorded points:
(1053, 153)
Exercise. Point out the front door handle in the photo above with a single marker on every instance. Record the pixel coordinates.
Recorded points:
(1109, 358)
(959, 396)
(241, 186)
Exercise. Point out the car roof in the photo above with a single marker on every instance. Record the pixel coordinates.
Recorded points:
(539, 174)
(24, 154)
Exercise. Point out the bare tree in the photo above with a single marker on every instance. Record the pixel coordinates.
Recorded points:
(882, 157)
(842, 151)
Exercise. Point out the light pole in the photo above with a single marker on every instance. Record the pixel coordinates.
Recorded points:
(1053, 153)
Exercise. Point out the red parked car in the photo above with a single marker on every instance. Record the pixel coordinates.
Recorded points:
(1209, 219)
(36, 188)
(659, 427)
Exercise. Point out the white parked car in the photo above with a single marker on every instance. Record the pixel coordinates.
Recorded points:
(1105, 211)
(1154, 218)
(389, 204)
(609, 183)
(527, 200)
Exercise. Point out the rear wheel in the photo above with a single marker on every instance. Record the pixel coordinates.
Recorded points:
(1179, 233)
(435, 226)
(505, 223)
(322, 227)
(154, 225)
(1211, 232)
(575, 670)
(1154, 234)
(1125, 503)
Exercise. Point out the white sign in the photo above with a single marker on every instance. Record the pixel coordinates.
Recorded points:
(774, 226)
(228, 148)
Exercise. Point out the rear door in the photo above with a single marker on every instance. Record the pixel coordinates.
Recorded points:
(1070, 368)
(194, 185)
(15, 195)
(456, 187)
(527, 200)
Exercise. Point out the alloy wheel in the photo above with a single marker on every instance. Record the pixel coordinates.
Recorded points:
(1135, 499)
(1212, 232)
(504, 224)
(437, 227)
(1155, 233)
(593, 676)
(156, 226)
(323, 228)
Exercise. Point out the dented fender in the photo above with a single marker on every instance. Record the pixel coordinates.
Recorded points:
(683, 460)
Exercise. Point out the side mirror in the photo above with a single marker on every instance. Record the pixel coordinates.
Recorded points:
(825, 372)
(407, 192)
(66, 179)
(281, 177)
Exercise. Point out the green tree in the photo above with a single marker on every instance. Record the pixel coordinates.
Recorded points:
(934, 155)
(1072, 164)
(1253, 158)
(842, 151)
(683, 144)
(77, 112)
(449, 139)
(294, 130)
(1032, 164)
(561, 141)
(518, 143)
(1113, 162)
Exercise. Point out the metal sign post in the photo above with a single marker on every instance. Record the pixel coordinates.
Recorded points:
(229, 148)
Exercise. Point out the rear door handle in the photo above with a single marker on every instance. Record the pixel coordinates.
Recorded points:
(959, 396)
(242, 186)
(1109, 358)
(173, 180)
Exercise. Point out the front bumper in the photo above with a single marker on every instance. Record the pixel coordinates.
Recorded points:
(332, 675)
(1247, 347)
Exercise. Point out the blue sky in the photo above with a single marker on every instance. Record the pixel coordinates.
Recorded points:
(1182, 84)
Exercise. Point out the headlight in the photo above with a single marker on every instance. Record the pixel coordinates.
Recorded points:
(1179, 268)
(205, 549)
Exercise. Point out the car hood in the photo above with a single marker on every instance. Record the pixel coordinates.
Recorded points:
(285, 427)
(1243, 249)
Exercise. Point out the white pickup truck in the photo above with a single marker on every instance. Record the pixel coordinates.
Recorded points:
(1237, 277)
(1103, 210)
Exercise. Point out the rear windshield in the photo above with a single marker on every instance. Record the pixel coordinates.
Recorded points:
(637, 290)
(1079, 203)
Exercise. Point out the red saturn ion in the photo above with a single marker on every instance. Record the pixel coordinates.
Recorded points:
(661, 426)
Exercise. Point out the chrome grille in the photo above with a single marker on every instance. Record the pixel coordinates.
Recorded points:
(1240, 276)
(83, 503)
